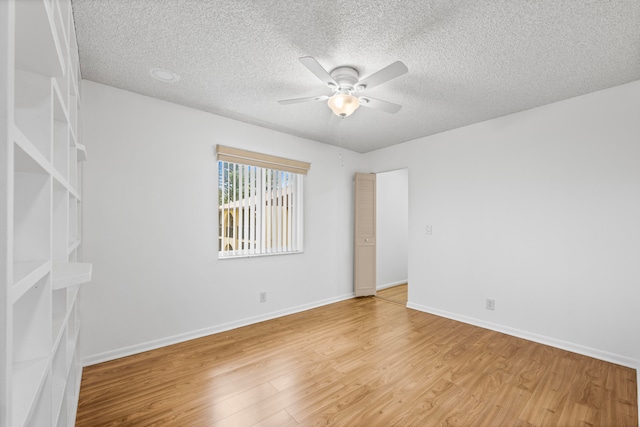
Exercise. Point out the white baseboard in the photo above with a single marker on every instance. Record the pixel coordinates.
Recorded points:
(390, 285)
(175, 339)
(564, 345)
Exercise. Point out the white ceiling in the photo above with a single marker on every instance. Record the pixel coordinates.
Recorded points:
(468, 61)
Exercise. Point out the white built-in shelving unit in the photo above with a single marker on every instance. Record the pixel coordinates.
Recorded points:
(40, 218)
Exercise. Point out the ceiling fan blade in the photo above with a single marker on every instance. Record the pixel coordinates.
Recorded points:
(298, 100)
(317, 69)
(378, 104)
(390, 72)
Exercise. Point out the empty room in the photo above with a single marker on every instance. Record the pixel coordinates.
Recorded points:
(349, 213)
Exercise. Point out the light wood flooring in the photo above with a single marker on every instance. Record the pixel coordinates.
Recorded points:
(398, 293)
(360, 362)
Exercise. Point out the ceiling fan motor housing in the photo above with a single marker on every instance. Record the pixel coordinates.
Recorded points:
(346, 77)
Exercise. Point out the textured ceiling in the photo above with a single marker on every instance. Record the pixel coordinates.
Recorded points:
(468, 61)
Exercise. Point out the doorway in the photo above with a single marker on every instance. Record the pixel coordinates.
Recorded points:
(392, 224)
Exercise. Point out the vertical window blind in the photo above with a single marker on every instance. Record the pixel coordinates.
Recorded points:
(259, 203)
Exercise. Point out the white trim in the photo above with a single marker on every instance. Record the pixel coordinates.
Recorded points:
(250, 255)
(554, 342)
(390, 285)
(175, 339)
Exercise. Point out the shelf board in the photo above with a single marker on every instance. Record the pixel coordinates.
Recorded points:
(72, 293)
(37, 46)
(30, 160)
(74, 82)
(82, 152)
(72, 343)
(63, 28)
(60, 113)
(58, 398)
(26, 274)
(71, 273)
(60, 179)
(73, 141)
(28, 378)
(73, 245)
(58, 329)
(73, 192)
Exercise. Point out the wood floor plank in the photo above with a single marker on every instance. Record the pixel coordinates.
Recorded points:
(290, 400)
(279, 419)
(397, 293)
(365, 362)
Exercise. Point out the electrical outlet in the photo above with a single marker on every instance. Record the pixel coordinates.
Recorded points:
(491, 304)
(263, 297)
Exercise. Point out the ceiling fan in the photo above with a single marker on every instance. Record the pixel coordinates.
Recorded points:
(345, 84)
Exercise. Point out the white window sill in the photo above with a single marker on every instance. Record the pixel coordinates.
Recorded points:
(257, 255)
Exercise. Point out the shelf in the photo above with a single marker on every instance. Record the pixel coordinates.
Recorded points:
(26, 274)
(73, 220)
(40, 415)
(59, 404)
(73, 333)
(72, 293)
(59, 363)
(82, 152)
(60, 135)
(63, 86)
(74, 245)
(31, 351)
(61, 111)
(28, 158)
(31, 210)
(73, 117)
(73, 162)
(32, 322)
(62, 413)
(28, 379)
(37, 47)
(71, 273)
(59, 313)
(62, 20)
(74, 380)
(73, 82)
(60, 221)
(74, 193)
(59, 180)
(33, 109)
(44, 130)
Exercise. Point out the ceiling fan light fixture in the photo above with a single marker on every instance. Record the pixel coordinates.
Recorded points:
(343, 104)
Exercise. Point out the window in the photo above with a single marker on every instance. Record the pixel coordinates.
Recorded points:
(259, 203)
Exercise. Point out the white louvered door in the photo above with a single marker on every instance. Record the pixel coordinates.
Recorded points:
(365, 235)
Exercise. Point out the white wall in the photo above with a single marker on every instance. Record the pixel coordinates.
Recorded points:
(150, 227)
(392, 221)
(539, 210)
